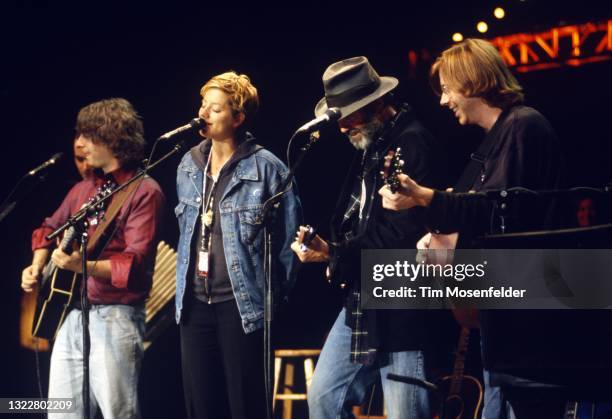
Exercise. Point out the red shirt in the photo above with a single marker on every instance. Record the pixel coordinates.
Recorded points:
(132, 248)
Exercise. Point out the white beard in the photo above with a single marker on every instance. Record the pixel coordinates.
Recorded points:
(360, 143)
(364, 138)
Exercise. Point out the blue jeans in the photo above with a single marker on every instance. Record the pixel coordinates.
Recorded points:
(495, 405)
(114, 361)
(338, 384)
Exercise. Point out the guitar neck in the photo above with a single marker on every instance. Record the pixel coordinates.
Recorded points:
(459, 368)
(392, 168)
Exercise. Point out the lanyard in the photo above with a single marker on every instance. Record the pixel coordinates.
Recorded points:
(207, 215)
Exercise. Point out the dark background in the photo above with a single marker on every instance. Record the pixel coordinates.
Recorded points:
(57, 60)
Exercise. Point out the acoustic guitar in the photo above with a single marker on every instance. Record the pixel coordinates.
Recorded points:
(58, 286)
(461, 395)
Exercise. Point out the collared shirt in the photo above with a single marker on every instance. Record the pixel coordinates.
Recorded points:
(131, 249)
(524, 152)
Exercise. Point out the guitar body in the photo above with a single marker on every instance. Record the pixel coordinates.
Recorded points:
(460, 395)
(58, 286)
(463, 405)
(55, 294)
(54, 297)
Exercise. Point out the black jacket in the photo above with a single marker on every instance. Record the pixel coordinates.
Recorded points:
(391, 330)
(524, 151)
(543, 345)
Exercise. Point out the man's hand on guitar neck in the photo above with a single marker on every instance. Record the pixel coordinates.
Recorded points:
(31, 275)
(316, 251)
(70, 262)
(410, 194)
(73, 262)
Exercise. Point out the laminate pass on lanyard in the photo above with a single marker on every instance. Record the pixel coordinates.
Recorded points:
(206, 223)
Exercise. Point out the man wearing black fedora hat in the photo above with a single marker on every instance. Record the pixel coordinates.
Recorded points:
(364, 344)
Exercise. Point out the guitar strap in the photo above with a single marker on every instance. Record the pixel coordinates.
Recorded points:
(466, 181)
(475, 167)
(110, 214)
(467, 317)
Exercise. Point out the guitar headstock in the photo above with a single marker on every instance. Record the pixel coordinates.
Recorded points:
(102, 192)
(392, 169)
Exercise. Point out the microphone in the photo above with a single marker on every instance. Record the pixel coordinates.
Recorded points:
(195, 123)
(54, 159)
(330, 115)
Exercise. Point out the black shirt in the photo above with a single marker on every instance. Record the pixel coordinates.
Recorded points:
(388, 330)
(524, 152)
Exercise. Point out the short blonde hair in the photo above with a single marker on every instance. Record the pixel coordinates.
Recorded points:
(243, 95)
(474, 68)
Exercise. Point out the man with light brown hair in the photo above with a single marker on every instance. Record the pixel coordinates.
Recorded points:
(520, 149)
(474, 69)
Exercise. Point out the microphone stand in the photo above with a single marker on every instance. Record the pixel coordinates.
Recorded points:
(427, 385)
(501, 197)
(266, 220)
(79, 221)
(518, 190)
(89, 207)
(85, 320)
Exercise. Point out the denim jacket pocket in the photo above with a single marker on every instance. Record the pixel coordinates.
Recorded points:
(251, 231)
(179, 209)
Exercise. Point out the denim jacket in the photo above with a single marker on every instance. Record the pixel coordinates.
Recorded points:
(255, 178)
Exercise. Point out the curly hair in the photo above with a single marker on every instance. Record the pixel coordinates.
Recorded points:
(115, 123)
(474, 68)
(242, 94)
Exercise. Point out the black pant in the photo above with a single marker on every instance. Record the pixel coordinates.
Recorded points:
(223, 372)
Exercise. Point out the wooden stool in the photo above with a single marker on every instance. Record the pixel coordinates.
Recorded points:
(288, 396)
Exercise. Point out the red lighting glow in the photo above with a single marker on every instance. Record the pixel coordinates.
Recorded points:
(571, 45)
(563, 46)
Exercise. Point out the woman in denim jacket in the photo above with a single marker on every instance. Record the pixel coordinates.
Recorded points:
(222, 184)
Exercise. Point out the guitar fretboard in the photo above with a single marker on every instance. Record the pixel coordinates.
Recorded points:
(461, 354)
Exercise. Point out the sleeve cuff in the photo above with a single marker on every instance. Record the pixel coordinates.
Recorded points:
(38, 238)
(433, 212)
(121, 269)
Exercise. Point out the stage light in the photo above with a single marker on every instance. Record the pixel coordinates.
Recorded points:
(499, 13)
(482, 27)
(457, 37)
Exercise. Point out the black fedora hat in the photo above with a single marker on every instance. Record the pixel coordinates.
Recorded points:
(351, 84)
